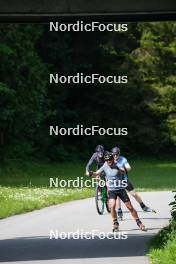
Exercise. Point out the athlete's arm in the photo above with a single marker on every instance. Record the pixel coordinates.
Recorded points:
(89, 164)
(96, 173)
(127, 166)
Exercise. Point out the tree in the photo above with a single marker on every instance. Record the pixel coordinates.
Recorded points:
(22, 88)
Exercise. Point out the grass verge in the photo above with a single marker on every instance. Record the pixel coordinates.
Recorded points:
(16, 200)
(24, 186)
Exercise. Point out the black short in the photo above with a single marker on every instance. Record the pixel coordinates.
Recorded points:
(129, 187)
(121, 193)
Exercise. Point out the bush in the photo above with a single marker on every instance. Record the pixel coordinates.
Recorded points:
(163, 245)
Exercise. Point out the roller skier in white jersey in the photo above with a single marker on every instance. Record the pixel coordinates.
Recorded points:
(123, 163)
(113, 176)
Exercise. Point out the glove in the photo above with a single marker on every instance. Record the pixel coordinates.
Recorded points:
(91, 173)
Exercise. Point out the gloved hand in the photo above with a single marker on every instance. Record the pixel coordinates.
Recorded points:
(91, 173)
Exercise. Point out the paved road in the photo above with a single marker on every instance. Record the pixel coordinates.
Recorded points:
(25, 238)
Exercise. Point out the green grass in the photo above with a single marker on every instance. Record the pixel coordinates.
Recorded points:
(166, 255)
(153, 174)
(24, 186)
(163, 246)
(15, 200)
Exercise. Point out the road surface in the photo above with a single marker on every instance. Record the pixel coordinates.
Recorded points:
(25, 239)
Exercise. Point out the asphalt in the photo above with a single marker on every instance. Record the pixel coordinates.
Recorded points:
(25, 239)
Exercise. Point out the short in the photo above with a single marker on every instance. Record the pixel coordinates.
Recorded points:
(129, 187)
(122, 194)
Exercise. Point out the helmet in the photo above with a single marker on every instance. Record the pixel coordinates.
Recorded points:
(115, 150)
(106, 152)
(108, 156)
(99, 148)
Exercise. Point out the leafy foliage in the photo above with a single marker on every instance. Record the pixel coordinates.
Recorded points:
(28, 104)
(163, 245)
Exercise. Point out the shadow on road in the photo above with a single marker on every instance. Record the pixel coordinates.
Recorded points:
(43, 248)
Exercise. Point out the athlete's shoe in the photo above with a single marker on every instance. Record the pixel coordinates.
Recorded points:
(115, 227)
(148, 209)
(141, 226)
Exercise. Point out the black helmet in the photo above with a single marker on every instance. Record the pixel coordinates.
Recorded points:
(108, 156)
(99, 148)
(115, 150)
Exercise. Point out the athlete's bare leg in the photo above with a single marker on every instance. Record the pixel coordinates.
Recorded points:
(132, 210)
(115, 224)
(118, 203)
(139, 200)
(112, 203)
(118, 209)
(135, 215)
(136, 196)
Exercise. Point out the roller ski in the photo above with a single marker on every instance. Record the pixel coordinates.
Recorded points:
(140, 225)
(148, 209)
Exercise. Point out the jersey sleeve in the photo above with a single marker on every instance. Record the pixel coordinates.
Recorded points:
(126, 165)
(90, 162)
(124, 161)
